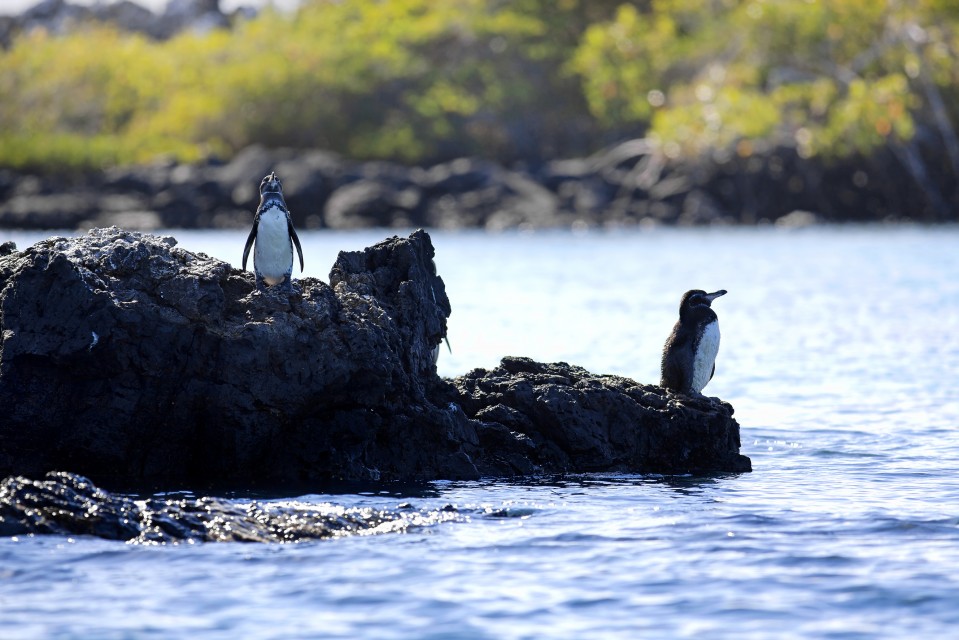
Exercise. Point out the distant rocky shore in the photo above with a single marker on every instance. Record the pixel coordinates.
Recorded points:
(133, 362)
(631, 183)
(626, 185)
(59, 16)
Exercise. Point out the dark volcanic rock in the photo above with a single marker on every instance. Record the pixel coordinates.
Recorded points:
(559, 416)
(369, 203)
(68, 504)
(468, 192)
(631, 184)
(133, 362)
(128, 359)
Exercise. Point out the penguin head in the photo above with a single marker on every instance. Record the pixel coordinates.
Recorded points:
(698, 298)
(270, 184)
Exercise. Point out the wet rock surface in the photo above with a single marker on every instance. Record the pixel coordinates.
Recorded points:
(135, 363)
(68, 504)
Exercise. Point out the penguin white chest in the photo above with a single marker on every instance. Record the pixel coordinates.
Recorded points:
(704, 359)
(273, 253)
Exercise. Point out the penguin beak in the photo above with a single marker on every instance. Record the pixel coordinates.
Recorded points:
(716, 294)
(271, 183)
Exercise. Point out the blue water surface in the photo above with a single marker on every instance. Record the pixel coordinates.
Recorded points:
(840, 353)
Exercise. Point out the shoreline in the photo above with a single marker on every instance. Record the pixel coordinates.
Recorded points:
(327, 191)
(543, 182)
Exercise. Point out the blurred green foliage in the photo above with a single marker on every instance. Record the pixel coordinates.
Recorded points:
(830, 78)
(420, 81)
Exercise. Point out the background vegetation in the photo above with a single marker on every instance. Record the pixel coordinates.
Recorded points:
(421, 81)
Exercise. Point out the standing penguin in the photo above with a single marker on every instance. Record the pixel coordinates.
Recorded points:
(689, 357)
(273, 232)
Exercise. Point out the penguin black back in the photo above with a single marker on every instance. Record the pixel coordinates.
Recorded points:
(689, 356)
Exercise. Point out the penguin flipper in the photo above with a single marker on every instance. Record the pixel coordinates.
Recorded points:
(673, 378)
(249, 242)
(672, 374)
(711, 373)
(296, 240)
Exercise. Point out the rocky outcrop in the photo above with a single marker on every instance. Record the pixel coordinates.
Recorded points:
(126, 358)
(133, 362)
(534, 416)
(68, 504)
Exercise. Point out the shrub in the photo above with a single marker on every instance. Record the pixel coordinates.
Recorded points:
(423, 81)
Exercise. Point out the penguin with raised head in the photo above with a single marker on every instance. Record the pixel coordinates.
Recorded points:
(689, 356)
(274, 236)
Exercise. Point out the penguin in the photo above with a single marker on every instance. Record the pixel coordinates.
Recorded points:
(436, 349)
(689, 356)
(273, 232)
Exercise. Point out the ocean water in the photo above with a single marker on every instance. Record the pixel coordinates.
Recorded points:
(840, 353)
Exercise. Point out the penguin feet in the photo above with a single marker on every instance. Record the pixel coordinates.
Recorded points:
(279, 290)
(288, 288)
